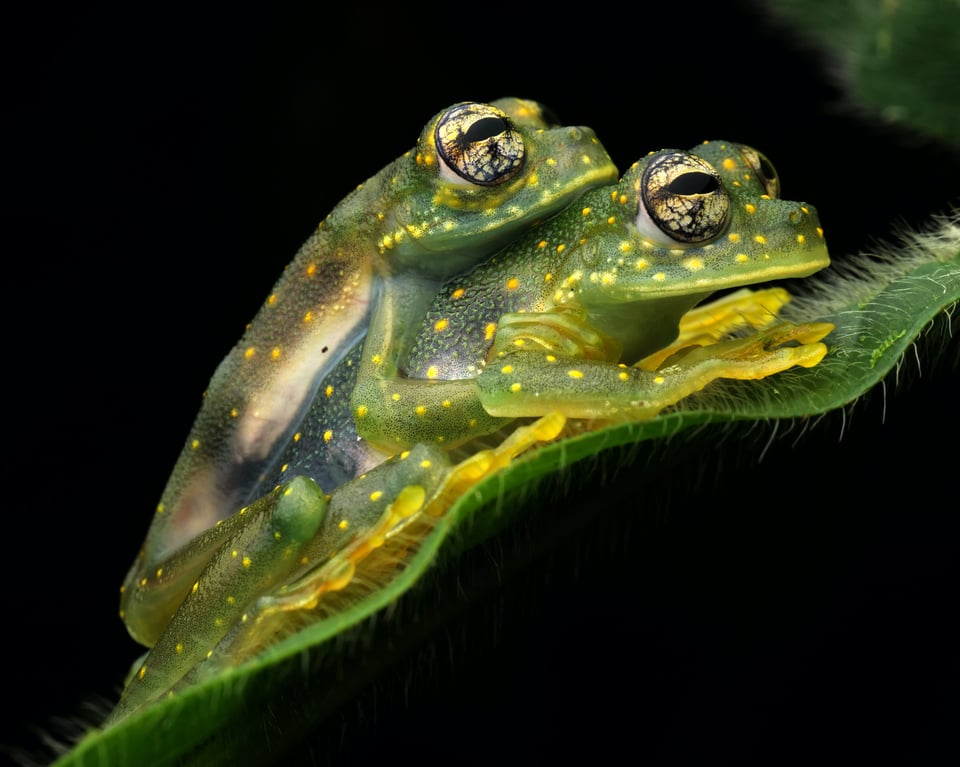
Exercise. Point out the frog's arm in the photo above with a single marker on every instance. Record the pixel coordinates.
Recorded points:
(534, 383)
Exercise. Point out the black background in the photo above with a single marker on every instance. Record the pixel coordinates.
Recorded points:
(161, 168)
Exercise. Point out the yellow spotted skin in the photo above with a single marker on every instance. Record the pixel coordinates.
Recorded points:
(479, 176)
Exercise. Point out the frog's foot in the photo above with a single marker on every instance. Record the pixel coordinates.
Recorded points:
(710, 322)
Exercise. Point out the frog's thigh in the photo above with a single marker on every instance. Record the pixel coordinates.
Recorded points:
(529, 384)
(258, 556)
(712, 321)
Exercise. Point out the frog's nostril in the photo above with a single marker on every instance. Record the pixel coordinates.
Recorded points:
(575, 133)
(794, 216)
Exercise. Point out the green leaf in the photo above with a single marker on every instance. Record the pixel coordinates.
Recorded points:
(883, 306)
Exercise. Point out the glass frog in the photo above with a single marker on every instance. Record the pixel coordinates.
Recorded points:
(479, 176)
(591, 315)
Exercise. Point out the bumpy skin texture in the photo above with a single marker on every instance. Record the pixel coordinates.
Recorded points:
(589, 315)
(479, 176)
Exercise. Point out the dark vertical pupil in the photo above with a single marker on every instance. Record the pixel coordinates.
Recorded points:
(693, 183)
(767, 169)
(483, 129)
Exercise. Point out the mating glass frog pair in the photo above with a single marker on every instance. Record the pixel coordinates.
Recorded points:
(394, 333)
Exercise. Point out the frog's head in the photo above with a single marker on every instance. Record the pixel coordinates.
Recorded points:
(699, 221)
(481, 174)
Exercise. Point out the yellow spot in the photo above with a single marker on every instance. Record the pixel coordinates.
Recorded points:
(234, 554)
(311, 270)
(328, 435)
(440, 325)
(329, 391)
(432, 371)
(489, 330)
(247, 562)
(218, 622)
(801, 239)
(376, 359)
(623, 199)
(142, 672)
(623, 376)
(234, 412)
(561, 247)
(343, 524)
(693, 264)
(513, 283)
(733, 237)
(804, 209)
(395, 396)
(659, 380)
(515, 387)
(519, 342)
(231, 600)
(179, 647)
(641, 264)
(196, 585)
(362, 411)
(819, 231)
(446, 403)
(420, 410)
(551, 358)
(271, 299)
(760, 239)
(612, 220)
(659, 277)
(585, 212)
(143, 581)
(159, 571)
(542, 244)
(506, 369)
(161, 508)
(249, 352)
(750, 208)
(458, 293)
(729, 164)
(575, 373)
(742, 258)
(376, 495)
(425, 463)
(547, 277)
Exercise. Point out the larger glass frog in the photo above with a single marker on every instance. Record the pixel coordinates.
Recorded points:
(480, 175)
(550, 326)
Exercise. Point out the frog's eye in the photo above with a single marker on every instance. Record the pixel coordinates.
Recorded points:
(682, 197)
(478, 143)
(763, 168)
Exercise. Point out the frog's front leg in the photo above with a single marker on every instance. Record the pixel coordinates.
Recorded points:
(533, 383)
(263, 545)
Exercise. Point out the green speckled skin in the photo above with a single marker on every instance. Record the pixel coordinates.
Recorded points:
(589, 315)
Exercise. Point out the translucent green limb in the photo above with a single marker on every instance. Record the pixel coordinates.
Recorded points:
(533, 383)
(711, 322)
(260, 552)
(420, 486)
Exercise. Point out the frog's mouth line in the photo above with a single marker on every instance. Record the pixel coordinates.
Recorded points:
(652, 289)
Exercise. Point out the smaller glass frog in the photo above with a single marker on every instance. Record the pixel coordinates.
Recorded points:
(480, 175)
(548, 327)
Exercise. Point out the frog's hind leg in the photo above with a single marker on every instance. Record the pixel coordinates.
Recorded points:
(409, 495)
(259, 554)
(710, 322)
